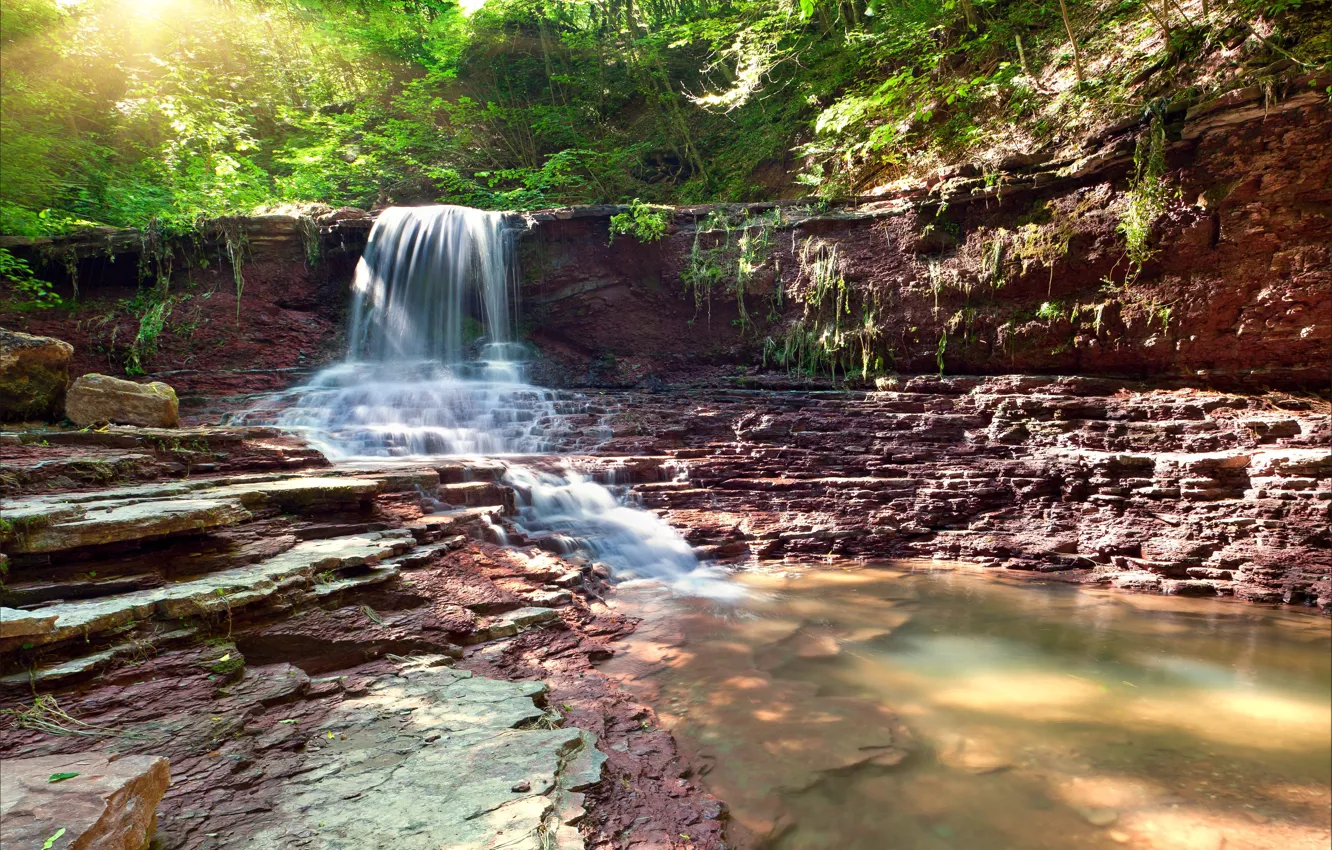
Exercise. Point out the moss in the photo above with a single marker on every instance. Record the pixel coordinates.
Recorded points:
(223, 659)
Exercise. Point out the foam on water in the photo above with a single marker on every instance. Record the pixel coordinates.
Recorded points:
(579, 515)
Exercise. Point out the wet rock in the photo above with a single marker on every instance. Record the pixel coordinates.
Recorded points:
(95, 399)
(1108, 482)
(34, 374)
(108, 803)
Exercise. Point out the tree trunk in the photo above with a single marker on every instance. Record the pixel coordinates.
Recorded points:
(1026, 68)
(1162, 17)
(1068, 26)
(969, 10)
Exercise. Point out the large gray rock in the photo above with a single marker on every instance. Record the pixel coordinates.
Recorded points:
(34, 372)
(435, 758)
(109, 805)
(94, 399)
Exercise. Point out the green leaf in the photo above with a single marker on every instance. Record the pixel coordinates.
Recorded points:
(50, 842)
(61, 777)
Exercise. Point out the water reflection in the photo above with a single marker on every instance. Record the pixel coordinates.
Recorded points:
(912, 707)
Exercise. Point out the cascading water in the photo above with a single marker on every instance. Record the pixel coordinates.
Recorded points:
(433, 369)
(422, 270)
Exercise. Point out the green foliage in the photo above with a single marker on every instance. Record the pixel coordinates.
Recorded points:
(730, 266)
(1050, 311)
(825, 339)
(27, 287)
(163, 114)
(644, 222)
(151, 324)
(1147, 196)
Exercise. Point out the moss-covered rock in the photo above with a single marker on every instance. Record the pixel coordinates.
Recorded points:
(94, 399)
(34, 373)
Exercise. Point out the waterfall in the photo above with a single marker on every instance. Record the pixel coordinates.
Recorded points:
(423, 270)
(433, 368)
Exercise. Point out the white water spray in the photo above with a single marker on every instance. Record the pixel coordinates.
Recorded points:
(423, 276)
(433, 369)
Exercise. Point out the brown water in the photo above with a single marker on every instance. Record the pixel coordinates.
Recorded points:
(932, 707)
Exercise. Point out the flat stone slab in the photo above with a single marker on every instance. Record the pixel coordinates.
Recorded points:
(68, 521)
(17, 623)
(298, 495)
(220, 591)
(135, 521)
(105, 804)
(511, 623)
(434, 758)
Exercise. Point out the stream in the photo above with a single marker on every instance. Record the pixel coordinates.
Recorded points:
(929, 706)
(844, 705)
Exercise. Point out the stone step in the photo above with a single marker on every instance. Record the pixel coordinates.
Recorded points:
(478, 494)
(62, 529)
(221, 592)
(449, 523)
(72, 669)
(47, 524)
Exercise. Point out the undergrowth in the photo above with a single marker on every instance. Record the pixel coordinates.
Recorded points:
(644, 222)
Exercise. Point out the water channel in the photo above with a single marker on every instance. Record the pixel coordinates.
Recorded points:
(929, 706)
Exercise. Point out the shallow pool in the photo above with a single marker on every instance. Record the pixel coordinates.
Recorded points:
(924, 706)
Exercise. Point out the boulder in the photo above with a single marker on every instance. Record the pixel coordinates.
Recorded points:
(34, 372)
(106, 804)
(94, 399)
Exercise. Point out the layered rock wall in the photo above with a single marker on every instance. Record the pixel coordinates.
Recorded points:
(1016, 271)
(1019, 270)
(1086, 480)
(251, 304)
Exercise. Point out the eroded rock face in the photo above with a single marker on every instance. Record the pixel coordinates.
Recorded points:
(34, 373)
(979, 275)
(95, 399)
(108, 803)
(1181, 492)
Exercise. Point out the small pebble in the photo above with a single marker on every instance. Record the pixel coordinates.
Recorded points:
(1119, 837)
(1100, 817)
(522, 786)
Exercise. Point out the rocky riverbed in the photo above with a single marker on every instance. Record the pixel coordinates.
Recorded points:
(309, 644)
(300, 645)
(316, 653)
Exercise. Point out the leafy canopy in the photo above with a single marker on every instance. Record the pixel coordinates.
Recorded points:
(127, 112)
